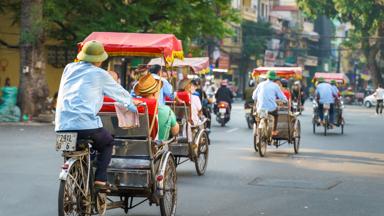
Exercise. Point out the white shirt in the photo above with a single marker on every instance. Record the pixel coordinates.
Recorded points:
(195, 108)
(266, 94)
(379, 94)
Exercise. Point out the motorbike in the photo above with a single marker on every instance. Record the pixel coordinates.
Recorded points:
(222, 113)
(248, 108)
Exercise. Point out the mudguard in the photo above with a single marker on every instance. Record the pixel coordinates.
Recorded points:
(161, 171)
(64, 172)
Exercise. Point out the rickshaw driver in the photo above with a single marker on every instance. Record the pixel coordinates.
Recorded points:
(82, 87)
(325, 95)
(265, 96)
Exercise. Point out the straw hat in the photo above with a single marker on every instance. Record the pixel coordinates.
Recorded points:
(147, 85)
(92, 51)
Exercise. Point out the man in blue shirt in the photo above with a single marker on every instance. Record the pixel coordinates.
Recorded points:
(325, 94)
(265, 96)
(167, 89)
(82, 88)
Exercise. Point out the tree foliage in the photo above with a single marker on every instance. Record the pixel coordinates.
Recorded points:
(70, 21)
(255, 38)
(367, 17)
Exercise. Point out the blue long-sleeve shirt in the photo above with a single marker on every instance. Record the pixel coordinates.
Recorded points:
(325, 93)
(80, 97)
(266, 94)
(165, 90)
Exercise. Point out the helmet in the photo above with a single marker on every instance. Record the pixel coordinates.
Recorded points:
(251, 83)
(284, 82)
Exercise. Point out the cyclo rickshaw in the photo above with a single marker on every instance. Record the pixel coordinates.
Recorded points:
(137, 169)
(341, 79)
(190, 134)
(288, 123)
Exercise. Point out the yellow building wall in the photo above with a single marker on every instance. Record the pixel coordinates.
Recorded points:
(11, 57)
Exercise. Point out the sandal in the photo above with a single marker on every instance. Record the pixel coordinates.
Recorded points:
(105, 188)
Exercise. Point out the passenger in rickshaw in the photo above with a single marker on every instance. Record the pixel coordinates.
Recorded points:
(82, 87)
(167, 89)
(265, 96)
(185, 94)
(148, 89)
(325, 95)
(298, 93)
(283, 84)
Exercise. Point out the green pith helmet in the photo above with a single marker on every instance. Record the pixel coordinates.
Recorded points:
(271, 75)
(333, 82)
(320, 80)
(92, 51)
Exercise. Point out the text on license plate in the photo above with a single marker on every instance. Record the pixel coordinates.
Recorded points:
(66, 141)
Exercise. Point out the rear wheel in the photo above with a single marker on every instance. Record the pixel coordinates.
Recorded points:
(201, 160)
(169, 200)
(342, 125)
(314, 127)
(262, 142)
(72, 199)
(296, 136)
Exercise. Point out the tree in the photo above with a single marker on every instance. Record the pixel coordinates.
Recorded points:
(71, 21)
(367, 17)
(255, 36)
(33, 89)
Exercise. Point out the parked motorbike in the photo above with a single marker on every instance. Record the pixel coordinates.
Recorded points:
(222, 113)
(248, 108)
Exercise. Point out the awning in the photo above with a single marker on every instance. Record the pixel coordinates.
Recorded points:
(282, 72)
(199, 65)
(328, 77)
(139, 44)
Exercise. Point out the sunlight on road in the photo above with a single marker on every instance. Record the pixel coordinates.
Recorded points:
(348, 162)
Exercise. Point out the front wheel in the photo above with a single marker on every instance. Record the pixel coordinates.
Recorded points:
(169, 200)
(73, 198)
(201, 160)
(255, 137)
(296, 136)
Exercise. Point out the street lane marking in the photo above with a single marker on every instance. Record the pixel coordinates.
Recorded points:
(232, 130)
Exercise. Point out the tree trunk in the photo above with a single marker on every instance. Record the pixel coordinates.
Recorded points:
(33, 89)
(371, 52)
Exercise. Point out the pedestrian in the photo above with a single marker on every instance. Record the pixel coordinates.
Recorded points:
(379, 95)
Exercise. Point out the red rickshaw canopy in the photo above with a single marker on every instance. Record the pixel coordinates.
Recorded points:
(328, 77)
(199, 65)
(139, 44)
(282, 72)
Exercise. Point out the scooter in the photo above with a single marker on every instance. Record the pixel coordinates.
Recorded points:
(248, 108)
(222, 113)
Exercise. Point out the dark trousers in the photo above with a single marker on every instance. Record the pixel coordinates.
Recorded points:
(103, 143)
(331, 112)
(275, 115)
(379, 107)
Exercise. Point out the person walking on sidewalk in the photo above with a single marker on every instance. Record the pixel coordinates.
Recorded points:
(379, 95)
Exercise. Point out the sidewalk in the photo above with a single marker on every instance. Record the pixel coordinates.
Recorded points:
(30, 123)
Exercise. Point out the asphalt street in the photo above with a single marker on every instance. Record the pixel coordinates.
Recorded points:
(341, 175)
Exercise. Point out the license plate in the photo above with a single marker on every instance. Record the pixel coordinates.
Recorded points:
(248, 111)
(66, 141)
(222, 110)
(326, 106)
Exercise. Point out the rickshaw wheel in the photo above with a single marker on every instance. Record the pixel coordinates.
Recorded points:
(255, 137)
(71, 200)
(169, 199)
(296, 136)
(201, 160)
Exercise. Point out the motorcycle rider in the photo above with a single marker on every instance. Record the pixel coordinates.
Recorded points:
(325, 95)
(265, 96)
(249, 91)
(80, 97)
(224, 94)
